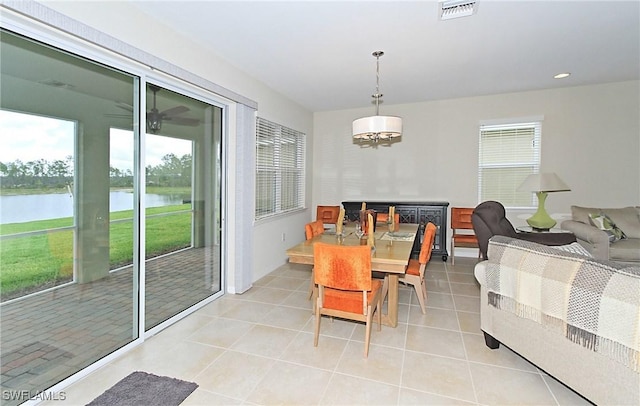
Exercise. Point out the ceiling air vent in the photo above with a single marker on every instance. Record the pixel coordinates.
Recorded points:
(456, 8)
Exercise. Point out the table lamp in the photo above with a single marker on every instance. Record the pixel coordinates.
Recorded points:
(542, 184)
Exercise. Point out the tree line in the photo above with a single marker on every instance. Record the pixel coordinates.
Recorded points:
(44, 174)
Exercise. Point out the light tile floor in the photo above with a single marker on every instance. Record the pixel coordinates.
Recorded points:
(257, 349)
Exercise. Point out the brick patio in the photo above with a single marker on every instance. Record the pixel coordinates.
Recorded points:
(47, 337)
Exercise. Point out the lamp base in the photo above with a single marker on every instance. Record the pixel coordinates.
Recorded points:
(541, 221)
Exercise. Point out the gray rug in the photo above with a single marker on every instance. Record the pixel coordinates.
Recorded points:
(141, 388)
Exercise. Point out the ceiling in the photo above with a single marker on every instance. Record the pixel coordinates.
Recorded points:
(318, 53)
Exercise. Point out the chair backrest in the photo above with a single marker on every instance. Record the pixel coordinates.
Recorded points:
(364, 219)
(384, 217)
(427, 244)
(314, 228)
(490, 218)
(461, 218)
(345, 267)
(328, 214)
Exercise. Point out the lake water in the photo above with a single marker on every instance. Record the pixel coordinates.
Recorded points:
(23, 208)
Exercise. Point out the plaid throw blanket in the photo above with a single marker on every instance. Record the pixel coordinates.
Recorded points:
(591, 302)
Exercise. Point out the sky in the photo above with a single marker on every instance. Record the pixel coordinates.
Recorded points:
(29, 138)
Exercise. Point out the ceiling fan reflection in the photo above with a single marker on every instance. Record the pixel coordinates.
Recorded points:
(155, 117)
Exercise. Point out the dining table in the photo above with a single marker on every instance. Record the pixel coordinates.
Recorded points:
(390, 256)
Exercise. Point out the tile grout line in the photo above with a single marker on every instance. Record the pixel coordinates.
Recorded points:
(464, 347)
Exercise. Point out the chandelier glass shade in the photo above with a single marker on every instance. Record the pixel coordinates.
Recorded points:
(377, 128)
(380, 127)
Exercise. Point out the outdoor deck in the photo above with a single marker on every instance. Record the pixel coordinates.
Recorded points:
(47, 337)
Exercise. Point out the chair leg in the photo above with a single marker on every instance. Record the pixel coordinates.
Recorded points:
(311, 286)
(317, 330)
(385, 288)
(422, 295)
(453, 252)
(367, 334)
(380, 314)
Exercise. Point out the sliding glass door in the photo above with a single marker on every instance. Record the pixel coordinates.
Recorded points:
(82, 219)
(183, 199)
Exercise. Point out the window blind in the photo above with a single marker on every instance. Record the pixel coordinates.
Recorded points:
(508, 153)
(280, 166)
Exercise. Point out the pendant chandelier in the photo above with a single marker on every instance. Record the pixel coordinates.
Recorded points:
(377, 128)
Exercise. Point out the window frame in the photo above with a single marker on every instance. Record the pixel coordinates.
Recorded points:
(503, 159)
(283, 166)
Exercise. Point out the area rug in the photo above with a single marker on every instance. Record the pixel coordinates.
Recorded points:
(141, 388)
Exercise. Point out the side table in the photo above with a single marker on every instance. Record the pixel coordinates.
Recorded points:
(529, 229)
(551, 237)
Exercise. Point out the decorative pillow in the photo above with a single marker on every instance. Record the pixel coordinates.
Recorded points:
(575, 248)
(581, 214)
(604, 223)
(626, 218)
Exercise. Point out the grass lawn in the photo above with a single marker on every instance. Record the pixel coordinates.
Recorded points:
(40, 261)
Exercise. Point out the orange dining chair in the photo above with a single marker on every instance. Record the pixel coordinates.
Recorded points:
(314, 228)
(328, 214)
(364, 219)
(382, 218)
(311, 230)
(415, 270)
(345, 286)
(461, 220)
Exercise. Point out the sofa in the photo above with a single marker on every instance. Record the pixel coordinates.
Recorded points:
(607, 233)
(573, 316)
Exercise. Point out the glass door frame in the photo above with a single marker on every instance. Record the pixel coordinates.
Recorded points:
(205, 97)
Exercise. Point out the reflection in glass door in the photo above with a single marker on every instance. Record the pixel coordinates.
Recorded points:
(182, 209)
(64, 303)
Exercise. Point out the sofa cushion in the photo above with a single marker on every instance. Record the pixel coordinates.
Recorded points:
(574, 247)
(604, 223)
(581, 214)
(627, 250)
(626, 218)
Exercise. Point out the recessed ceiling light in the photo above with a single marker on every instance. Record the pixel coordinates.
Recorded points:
(562, 75)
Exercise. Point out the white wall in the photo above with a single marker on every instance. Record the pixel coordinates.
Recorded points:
(590, 138)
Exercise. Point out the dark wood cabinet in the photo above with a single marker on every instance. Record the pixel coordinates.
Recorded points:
(411, 212)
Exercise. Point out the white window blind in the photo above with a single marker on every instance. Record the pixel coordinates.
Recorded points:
(280, 165)
(508, 153)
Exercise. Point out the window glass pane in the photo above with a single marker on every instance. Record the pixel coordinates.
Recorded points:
(507, 155)
(500, 182)
(279, 169)
(183, 201)
(37, 198)
(265, 193)
(168, 195)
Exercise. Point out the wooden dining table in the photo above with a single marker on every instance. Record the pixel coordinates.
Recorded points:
(390, 256)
